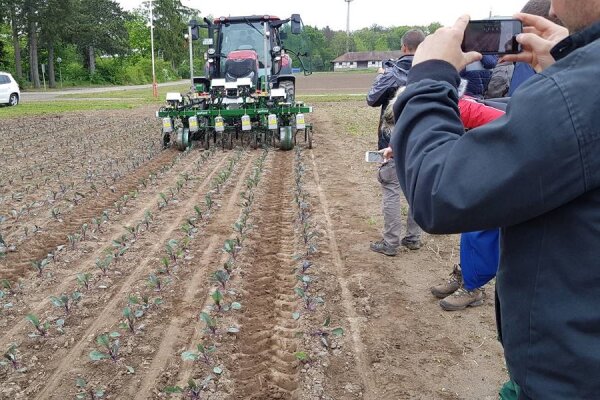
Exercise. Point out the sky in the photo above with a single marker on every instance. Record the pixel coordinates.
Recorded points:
(363, 13)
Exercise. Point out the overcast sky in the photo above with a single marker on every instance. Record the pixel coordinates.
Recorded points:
(363, 13)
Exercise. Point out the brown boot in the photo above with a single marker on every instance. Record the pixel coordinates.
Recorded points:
(462, 299)
(450, 286)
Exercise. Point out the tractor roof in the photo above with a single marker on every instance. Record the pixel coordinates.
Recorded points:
(249, 18)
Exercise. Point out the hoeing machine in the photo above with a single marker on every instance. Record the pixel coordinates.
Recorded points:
(248, 91)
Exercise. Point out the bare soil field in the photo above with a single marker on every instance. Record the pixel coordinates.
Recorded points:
(133, 272)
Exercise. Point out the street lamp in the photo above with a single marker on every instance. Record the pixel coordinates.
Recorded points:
(348, 26)
(154, 85)
(59, 61)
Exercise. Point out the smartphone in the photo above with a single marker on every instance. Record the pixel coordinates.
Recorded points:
(374, 156)
(493, 36)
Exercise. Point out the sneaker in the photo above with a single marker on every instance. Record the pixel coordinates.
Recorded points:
(450, 286)
(384, 248)
(411, 244)
(462, 299)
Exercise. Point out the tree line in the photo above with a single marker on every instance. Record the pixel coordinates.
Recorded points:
(96, 41)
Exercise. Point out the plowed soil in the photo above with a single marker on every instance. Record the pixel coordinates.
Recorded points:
(66, 171)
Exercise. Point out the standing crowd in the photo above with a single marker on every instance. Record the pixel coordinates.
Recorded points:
(506, 151)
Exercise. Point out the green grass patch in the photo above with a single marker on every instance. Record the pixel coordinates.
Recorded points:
(59, 107)
(143, 94)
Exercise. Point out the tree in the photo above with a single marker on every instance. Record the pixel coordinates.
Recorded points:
(57, 19)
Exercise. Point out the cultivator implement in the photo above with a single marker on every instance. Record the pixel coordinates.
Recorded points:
(239, 114)
(247, 95)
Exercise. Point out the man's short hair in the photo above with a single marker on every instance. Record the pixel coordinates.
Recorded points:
(540, 8)
(412, 39)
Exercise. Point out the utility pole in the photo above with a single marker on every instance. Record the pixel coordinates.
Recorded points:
(348, 26)
(154, 85)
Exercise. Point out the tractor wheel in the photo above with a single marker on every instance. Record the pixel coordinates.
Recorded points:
(182, 138)
(310, 137)
(286, 138)
(206, 140)
(254, 142)
(290, 90)
(166, 140)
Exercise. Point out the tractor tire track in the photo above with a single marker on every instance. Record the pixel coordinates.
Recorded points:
(40, 299)
(266, 367)
(198, 288)
(16, 264)
(106, 316)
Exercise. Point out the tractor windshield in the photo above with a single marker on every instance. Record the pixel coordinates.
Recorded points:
(242, 36)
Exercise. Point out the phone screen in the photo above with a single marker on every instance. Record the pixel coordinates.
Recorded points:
(374, 156)
(493, 36)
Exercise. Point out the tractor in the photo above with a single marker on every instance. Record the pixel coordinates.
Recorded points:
(247, 93)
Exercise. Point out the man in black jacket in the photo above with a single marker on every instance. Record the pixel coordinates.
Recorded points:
(534, 172)
(390, 78)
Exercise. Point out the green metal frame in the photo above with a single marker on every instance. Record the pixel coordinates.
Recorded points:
(240, 112)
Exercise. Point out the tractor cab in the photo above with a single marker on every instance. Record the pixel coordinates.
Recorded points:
(251, 47)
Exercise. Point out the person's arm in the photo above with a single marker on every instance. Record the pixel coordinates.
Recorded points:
(506, 172)
(383, 86)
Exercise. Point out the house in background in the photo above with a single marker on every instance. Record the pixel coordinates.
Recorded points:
(363, 59)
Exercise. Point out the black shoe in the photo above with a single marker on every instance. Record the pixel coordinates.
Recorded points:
(384, 248)
(411, 244)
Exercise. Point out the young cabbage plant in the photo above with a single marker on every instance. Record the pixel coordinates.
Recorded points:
(198, 211)
(156, 283)
(84, 279)
(221, 277)
(147, 219)
(310, 303)
(217, 297)
(326, 332)
(202, 353)
(66, 302)
(231, 247)
(84, 392)
(130, 318)
(42, 329)
(11, 357)
(211, 323)
(166, 264)
(172, 250)
(103, 265)
(109, 344)
(192, 391)
(40, 266)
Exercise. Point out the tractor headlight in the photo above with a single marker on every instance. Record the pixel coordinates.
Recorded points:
(211, 51)
(276, 49)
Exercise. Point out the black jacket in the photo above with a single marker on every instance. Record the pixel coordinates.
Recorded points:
(384, 88)
(536, 173)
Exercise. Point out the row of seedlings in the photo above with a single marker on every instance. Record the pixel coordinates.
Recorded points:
(307, 229)
(138, 306)
(222, 295)
(85, 281)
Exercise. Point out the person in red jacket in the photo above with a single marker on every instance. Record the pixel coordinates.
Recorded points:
(479, 251)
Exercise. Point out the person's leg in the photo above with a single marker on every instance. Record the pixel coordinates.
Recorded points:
(412, 240)
(479, 254)
(392, 223)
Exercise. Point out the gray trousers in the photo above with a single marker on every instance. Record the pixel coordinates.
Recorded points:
(392, 216)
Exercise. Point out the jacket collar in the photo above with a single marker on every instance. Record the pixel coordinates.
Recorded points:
(576, 41)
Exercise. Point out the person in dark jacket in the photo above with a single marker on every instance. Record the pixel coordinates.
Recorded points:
(478, 75)
(384, 88)
(536, 173)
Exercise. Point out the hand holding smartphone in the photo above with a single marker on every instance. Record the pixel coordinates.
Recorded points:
(374, 157)
(493, 36)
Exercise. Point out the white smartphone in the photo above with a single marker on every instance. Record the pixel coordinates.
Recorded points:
(374, 156)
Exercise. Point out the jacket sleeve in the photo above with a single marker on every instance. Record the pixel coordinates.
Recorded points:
(501, 174)
(474, 114)
(383, 85)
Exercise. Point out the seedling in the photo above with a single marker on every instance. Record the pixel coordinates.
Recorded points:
(73, 239)
(198, 211)
(221, 277)
(217, 297)
(84, 279)
(104, 265)
(192, 391)
(130, 318)
(231, 247)
(84, 229)
(156, 283)
(172, 251)
(41, 328)
(302, 356)
(310, 303)
(66, 302)
(211, 323)
(39, 266)
(11, 356)
(203, 354)
(147, 219)
(209, 201)
(108, 342)
(324, 334)
(95, 394)
(164, 198)
(166, 264)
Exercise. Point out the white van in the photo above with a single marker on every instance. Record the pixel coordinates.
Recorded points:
(9, 90)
